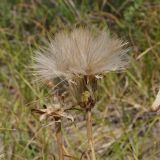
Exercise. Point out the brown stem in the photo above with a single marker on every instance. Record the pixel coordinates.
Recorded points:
(90, 134)
(59, 138)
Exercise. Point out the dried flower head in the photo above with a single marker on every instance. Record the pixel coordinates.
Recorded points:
(78, 57)
(80, 52)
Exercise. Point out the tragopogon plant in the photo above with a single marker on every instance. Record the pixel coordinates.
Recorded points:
(80, 57)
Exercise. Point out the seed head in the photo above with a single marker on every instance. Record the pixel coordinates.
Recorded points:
(80, 52)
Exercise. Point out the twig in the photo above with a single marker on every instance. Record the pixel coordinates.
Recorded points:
(59, 138)
(89, 133)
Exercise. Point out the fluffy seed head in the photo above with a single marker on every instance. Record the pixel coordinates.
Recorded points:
(80, 52)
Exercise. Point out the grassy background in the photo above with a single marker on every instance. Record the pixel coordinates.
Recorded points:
(124, 129)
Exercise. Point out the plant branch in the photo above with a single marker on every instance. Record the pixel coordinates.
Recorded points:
(59, 138)
(89, 133)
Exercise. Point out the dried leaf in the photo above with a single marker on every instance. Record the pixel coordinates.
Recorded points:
(156, 103)
(43, 117)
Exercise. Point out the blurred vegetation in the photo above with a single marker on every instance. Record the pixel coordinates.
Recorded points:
(124, 129)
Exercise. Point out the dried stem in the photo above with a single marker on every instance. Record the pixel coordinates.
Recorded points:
(59, 138)
(89, 133)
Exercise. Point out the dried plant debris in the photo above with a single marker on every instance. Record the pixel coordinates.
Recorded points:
(156, 103)
(52, 112)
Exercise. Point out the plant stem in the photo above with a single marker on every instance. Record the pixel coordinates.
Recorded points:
(89, 133)
(59, 138)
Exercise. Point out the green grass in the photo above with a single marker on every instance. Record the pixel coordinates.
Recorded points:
(122, 130)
